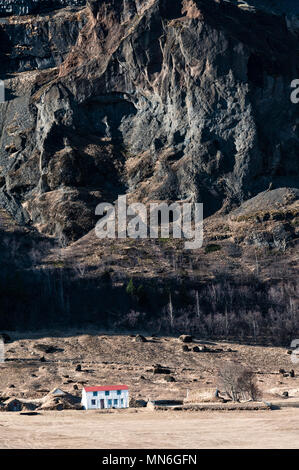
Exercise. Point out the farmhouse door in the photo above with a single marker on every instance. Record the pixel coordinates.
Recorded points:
(102, 404)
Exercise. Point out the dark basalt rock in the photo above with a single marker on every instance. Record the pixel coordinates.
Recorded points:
(163, 99)
(158, 369)
(169, 378)
(186, 338)
(5, 337)
(48, 349)
(140, 339)
(26, 7)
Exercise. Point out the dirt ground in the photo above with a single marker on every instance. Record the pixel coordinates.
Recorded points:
(146, 429)
(119, 359)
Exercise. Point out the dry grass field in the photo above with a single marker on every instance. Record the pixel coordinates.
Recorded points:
(115, 359)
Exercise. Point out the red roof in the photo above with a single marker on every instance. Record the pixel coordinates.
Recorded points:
(106, 388)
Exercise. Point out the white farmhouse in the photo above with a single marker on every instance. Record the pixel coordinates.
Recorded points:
(106, 396)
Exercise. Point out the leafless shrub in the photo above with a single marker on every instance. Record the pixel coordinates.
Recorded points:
(61, 238)
(238, 382)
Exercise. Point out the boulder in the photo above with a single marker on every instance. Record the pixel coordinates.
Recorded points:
(140, 339)
(67, 402)
(48, 349)
(158, 369)
(6, 338)
(137, 403)
(13, 404)
(169, 378)
(186, 338)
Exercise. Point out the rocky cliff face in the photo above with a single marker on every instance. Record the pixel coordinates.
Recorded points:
(161, 99)
(26, 7)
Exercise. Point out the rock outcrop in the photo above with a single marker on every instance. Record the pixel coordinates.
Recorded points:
(160, 99)
(26, 7)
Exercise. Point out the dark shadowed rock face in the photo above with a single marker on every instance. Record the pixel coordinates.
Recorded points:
(25, 7)
(160, 99)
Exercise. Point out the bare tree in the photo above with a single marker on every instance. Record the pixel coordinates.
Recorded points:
(238, 382)
(197, 304)
(280, 244)
(256, 262)
(170, 311)
(62, 240)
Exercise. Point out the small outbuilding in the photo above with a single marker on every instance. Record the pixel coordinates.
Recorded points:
(57, 392)
(106, 396)
(13, 404)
